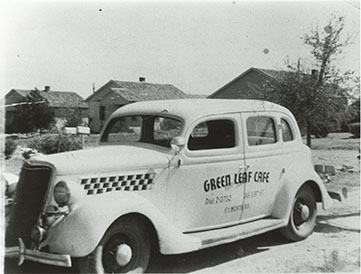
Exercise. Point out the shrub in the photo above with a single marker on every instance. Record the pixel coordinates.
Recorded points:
(54, 143)
(73, 118)
(319, 130)
(10, 147)
(355, 129)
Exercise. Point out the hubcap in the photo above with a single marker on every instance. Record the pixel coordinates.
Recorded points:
(305, 212)
(123, 254)
(301, 213)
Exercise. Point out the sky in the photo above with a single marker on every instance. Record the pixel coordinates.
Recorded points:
(196, 46)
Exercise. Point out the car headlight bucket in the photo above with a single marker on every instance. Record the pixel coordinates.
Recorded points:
(61, 193)
(38, 234)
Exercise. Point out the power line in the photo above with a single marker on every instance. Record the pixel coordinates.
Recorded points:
(25, 103)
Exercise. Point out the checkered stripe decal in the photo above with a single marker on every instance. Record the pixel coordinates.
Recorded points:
(136, 182)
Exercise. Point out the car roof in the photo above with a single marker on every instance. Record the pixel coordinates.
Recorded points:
(194, 108)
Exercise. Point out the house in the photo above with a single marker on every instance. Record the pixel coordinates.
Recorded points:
(239, 88)
(62, 102)
(254, 83)
(114, 94)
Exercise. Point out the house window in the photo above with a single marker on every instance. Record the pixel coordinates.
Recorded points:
(213, 134)
(261, 130)
(102, 113)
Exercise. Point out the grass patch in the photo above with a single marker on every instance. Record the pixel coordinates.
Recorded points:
(334, 141)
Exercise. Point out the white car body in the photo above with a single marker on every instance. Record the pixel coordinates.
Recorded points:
(194, 198)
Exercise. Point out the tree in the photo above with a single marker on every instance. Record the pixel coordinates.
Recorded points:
(326, 45)
(42, 116)
(315, 99)
(354, 111)
(33, 114)
(21, 122)
(315, 110)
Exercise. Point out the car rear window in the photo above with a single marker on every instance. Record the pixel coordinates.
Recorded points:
(287, 134)
(261, 130)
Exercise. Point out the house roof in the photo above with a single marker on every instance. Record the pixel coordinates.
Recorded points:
(271, 74)
(23, 92)
(275, 74)
(63, 99)
(143, 91)
(56, 98)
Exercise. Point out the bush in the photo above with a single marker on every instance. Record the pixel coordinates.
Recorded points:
(355, 129)
(10, 147)
(73, 118)
(54, 143)
(321, 132)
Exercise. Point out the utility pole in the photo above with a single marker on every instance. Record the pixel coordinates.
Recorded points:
(298, 65)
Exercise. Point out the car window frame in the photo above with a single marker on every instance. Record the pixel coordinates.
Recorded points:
(217, 152)
(294, 129)
(266, 147)
(290, 127)
(158, 114)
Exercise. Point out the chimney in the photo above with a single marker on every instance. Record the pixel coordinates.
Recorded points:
(141, 79)
(47, 88)
(314, 72)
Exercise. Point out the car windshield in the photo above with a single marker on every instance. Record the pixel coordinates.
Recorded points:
(150, 129)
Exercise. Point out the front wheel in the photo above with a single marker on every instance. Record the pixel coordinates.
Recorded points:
(303, 216)
(125, 247)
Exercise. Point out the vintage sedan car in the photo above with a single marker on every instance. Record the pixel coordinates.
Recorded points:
(174, 176)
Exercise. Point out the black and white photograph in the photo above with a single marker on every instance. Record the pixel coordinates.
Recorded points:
(180, 136)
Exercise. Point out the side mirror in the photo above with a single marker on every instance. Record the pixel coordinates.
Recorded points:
(177, 144)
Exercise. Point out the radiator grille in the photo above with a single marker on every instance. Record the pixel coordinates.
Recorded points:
(29, 198)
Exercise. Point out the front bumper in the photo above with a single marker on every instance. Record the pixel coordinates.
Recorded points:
(36, 256)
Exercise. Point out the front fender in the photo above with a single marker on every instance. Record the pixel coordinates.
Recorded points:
(79, 233)
(290, 186)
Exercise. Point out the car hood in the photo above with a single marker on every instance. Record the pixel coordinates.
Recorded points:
(104, 159)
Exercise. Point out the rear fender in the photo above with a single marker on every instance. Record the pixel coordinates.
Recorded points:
(290, 186)
(79, 233)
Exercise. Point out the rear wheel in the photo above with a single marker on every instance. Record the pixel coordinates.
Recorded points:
(124, 248)
(303, 216)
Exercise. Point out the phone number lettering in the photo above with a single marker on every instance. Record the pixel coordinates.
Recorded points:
(218, 199)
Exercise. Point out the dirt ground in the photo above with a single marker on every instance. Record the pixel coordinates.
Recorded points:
(333, 247)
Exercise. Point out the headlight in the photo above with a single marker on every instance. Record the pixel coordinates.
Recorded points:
(61, 193)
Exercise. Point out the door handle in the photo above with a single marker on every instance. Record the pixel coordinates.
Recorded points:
(245, 167)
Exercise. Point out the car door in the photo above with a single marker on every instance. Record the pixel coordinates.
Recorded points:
(265, 163)
(203, 184)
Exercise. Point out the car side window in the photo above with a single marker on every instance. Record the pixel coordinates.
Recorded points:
(165, 129)
(214, 134)
(261, 130)
(286, 131)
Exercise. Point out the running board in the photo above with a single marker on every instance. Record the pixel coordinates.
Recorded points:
(230, 234)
